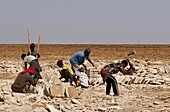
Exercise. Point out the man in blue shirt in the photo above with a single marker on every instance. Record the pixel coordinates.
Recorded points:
(78, 59)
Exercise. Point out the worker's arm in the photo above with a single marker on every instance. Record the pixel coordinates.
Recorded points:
(38, 55)
(60, 71)
(90, 61)
(32, 81)
(25, 65)
(85, 67)
(125, 72)
(132, 68)
(104, 74)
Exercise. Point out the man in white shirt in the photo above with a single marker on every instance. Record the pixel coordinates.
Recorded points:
(33, 62)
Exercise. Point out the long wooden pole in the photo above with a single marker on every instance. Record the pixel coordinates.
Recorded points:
(38, 44)
(29, 40)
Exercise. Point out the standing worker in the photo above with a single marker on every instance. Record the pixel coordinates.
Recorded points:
(33, 52)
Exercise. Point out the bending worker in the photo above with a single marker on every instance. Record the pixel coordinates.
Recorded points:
(78, 59)
(113, 68)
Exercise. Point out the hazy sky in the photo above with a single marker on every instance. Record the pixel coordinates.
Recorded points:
(86, 21)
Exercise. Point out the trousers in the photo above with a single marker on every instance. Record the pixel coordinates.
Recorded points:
(111, 81)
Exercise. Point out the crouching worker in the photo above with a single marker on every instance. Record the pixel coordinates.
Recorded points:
(23, 81)
(113, 68)
(65, 72)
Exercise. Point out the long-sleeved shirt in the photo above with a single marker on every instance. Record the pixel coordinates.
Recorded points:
(78, 58)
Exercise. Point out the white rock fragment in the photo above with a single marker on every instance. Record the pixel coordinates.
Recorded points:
(156, 103)
(115, 107)
(74, 101)
(52, 109)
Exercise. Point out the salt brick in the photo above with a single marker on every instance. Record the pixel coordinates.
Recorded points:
(71, 92)
(57, 91)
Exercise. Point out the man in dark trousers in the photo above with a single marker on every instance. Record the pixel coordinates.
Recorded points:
(108, 70)
(22, 79)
